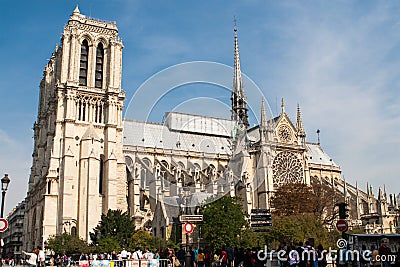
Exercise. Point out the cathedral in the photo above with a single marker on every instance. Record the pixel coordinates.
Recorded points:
(87, 159)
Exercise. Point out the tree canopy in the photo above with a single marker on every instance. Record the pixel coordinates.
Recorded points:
(66, 243)
(223, 221)
(295, 228)
(293, 199)
(115, 225)
(301, 212)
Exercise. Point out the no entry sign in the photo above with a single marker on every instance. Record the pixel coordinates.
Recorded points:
(342, 225)
(3, 224)
(188, 227)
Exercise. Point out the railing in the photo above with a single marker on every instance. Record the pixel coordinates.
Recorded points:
(126, 263)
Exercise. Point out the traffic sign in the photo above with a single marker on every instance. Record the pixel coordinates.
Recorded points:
(260, 211)
(3, 225)
(188, 227)
(191, 218)
(261, 224)
(342, 225)
(260, 217)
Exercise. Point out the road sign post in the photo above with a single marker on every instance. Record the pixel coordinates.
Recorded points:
(3, 225)
(260, 220)
(342, 225)
(190, 218)
(188, 227)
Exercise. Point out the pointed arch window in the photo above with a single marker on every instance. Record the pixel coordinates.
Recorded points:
(48, 187)
(83, 68)
(99, 66)
(101, 174)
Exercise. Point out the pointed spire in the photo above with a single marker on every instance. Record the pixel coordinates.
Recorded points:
(263, 124)
(77, 14)
(239, 102)
(237, 78)
(263, 113)
(299, 125)
(283, 106)
(76, 10)
(380, 194)
(384, 192)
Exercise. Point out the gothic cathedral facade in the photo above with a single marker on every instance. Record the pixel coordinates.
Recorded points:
(78, 170)
(87, 159)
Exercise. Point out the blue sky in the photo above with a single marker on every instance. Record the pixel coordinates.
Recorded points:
(339, 60)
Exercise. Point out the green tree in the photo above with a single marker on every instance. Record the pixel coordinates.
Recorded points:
(249, 239)
(293, 199)
(295, 228)
(142, 239)
(66, 243)
(301, 212)
(108, 244)
(223, 221)
(114, 225)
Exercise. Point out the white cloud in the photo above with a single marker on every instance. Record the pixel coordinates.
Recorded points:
(338, 72)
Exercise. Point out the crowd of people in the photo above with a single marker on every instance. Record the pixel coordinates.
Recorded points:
(298, 255)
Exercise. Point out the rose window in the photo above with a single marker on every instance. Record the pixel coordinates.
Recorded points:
(287, 168)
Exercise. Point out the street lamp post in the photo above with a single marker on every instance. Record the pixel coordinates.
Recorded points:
(188, 255)
(4, 186)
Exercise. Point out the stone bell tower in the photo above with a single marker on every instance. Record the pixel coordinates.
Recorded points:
(78, 169)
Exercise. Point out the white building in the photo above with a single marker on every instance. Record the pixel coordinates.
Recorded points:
(84, 165)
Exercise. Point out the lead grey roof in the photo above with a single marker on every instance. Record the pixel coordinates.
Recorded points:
(177, 121)
(316, 155)
(155, 135)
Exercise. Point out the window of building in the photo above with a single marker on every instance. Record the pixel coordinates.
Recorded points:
(162, 232)
(101, 175)
(83, 70)
(79, 110)
(99, 66)
(48, 187)
(73, 230)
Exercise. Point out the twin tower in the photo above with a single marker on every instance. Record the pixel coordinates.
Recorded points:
(78, 170)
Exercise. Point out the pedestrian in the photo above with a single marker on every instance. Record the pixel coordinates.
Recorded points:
(230, 254)
(223, 258)
(137, 255)
(384, 254)
(321, 256)
(365, 254)
(32, 258)
(157, 254)
(300, 251)
(293, 257)
(172, 257)
(375, 256)
(41, 257)
(124, 254)
(181, 255)
(200, 258)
